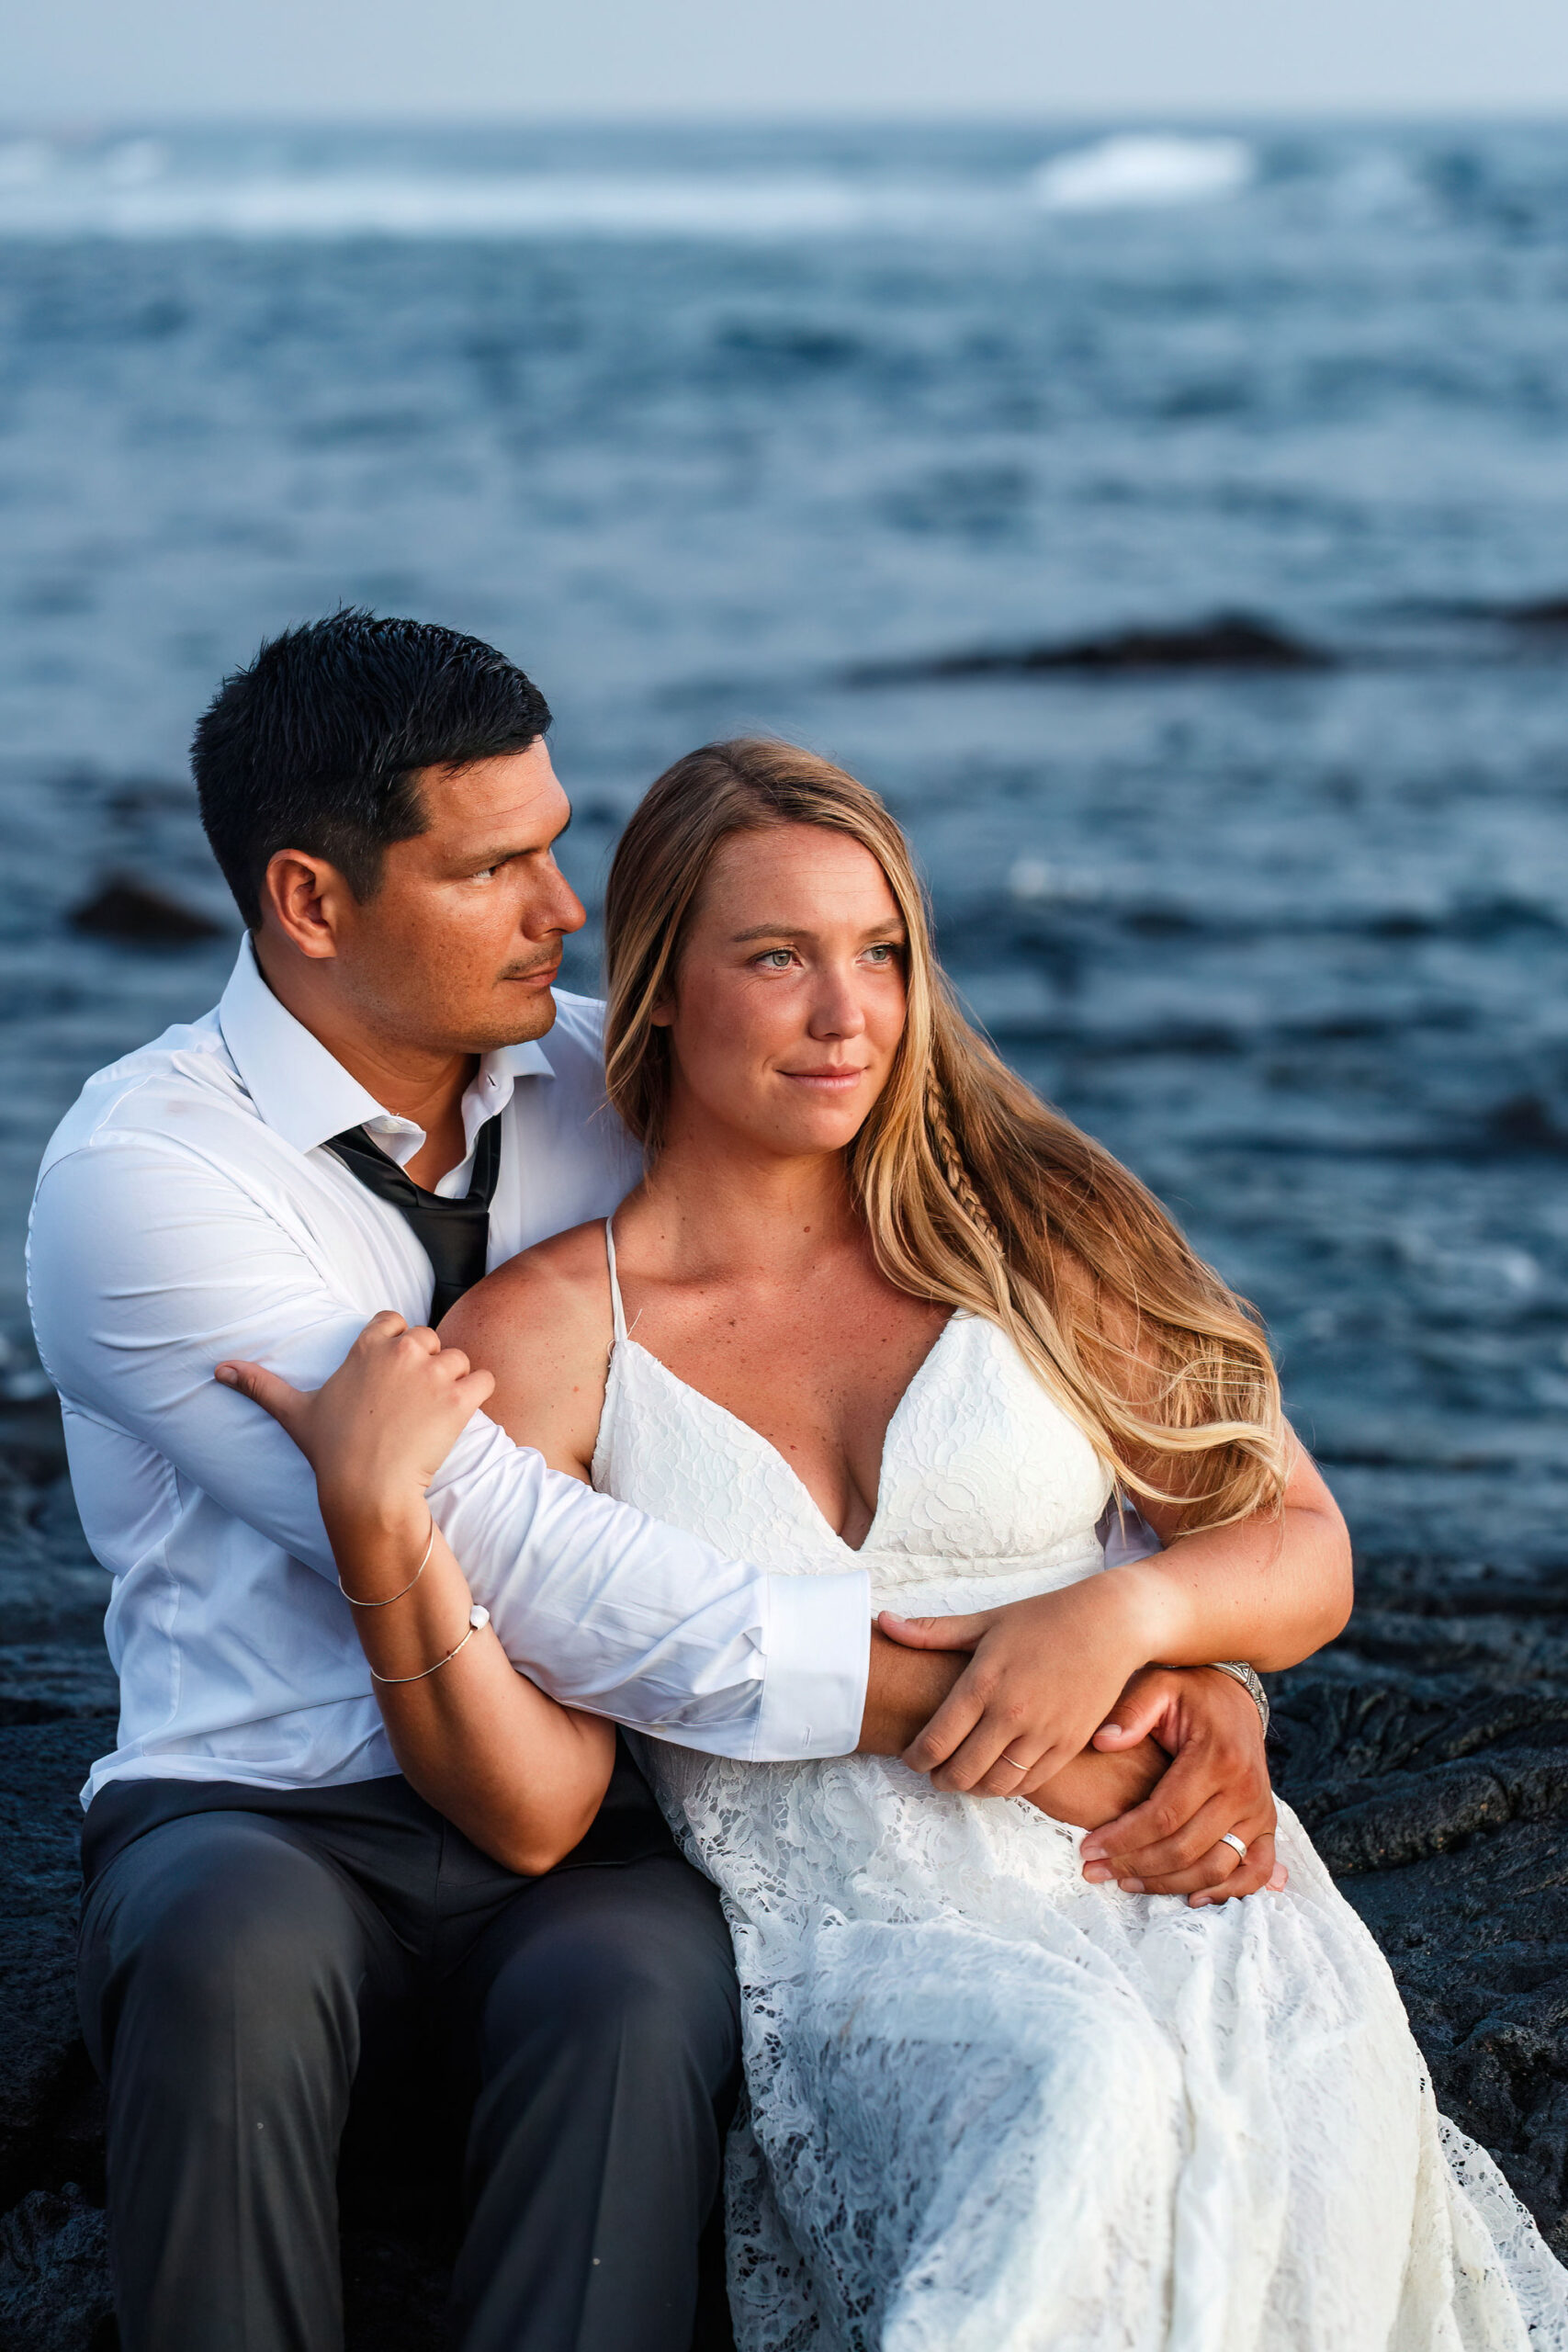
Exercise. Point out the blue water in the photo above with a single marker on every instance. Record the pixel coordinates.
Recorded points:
(694, 424)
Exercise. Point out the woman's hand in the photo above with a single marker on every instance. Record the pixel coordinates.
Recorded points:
(378, 1430)
(1045, 1674)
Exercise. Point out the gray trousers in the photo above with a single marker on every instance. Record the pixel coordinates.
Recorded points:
(249, 1958)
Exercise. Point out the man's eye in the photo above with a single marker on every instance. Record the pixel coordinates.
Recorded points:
(485, 874)
(775, 959)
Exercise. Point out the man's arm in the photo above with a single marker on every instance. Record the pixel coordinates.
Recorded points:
(148, 1266)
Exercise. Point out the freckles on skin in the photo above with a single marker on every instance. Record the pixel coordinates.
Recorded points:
(790, 999)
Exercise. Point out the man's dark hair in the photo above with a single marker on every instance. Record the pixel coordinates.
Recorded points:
(317, 745)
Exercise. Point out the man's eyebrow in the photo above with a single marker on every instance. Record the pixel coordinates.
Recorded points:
(482, 858)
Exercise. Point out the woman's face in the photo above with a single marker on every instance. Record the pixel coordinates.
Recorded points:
(788, 1003)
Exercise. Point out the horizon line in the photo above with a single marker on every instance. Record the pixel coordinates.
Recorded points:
(85, 122)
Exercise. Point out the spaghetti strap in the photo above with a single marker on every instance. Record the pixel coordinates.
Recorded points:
(618, 1311)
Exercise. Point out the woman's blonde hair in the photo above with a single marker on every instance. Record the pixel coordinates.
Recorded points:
(974, 1193)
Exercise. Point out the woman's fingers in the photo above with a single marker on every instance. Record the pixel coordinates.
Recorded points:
(473, 1391)
(268, 1390)
(952, 1722)
(1025, 1765)
(979, 1765)
(936, 1632)
(386, 1325)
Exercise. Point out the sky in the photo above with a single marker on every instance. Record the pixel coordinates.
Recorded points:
(76, 61)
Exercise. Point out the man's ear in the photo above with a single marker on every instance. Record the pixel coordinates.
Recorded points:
(306, 899)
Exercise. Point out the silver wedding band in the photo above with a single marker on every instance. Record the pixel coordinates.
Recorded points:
(1014, 1762)
(1230, 1839)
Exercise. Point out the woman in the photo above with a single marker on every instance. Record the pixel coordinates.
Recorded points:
(873, 1297)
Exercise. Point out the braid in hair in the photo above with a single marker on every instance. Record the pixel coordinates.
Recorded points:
(960, 1184)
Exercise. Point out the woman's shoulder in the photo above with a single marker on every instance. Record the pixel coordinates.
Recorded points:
(541, 1324)
(552, 1288)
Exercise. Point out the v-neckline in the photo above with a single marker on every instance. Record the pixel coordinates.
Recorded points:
(916, 1377)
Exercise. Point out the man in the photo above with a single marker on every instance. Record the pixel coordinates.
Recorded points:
(268, 1903)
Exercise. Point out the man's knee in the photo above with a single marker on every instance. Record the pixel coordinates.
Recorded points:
(214, 1929)
(632, 1965)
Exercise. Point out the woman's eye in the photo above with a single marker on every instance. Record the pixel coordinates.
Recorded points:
(883, 954)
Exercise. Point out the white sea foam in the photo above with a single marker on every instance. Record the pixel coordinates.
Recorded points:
(140, 189)
(1143, 169)
(132, 193)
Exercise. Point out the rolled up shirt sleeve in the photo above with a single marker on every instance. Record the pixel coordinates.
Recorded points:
(149, 1266)
(615, 1612)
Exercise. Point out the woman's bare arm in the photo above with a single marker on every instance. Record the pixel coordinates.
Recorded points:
(519, 1774)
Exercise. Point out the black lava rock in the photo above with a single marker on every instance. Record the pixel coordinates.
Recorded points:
(125, 907)
(1228, 641)
(54, 2290)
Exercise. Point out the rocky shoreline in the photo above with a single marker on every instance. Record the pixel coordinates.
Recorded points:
(1427, 1752)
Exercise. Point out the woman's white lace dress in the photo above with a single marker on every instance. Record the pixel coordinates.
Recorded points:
(994, 2109)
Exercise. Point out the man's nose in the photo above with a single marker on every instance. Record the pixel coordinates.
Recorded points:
(556, 908)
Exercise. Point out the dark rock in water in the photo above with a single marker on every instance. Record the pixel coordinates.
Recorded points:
(1525, 1122)
(1228, 641)
(1513, 612)
(1530, 612)
(125, 907)
(1547, 612)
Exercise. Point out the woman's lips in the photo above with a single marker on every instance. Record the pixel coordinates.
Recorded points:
(831, 1082)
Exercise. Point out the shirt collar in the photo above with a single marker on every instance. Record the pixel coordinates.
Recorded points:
(306, 1094)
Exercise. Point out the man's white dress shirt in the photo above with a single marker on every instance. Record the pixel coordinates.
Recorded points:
(185, 1212)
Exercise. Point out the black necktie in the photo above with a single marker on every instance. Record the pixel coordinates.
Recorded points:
(454, 1235)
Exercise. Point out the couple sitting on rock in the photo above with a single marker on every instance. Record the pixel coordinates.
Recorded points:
(771, 1306)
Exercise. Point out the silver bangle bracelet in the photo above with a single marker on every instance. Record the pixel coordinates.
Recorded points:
(1244, 1674)
(402, 1588)
(478, 1615)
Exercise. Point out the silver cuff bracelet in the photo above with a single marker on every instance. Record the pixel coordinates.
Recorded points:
(1249, 1682)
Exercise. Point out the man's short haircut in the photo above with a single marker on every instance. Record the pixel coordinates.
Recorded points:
(319, 743)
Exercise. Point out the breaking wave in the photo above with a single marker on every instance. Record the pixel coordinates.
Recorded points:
(149, 188)
(1143, 169)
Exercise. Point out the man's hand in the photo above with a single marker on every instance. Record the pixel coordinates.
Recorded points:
(1218, 1780)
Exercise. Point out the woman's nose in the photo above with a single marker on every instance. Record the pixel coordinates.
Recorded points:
(837, 1011)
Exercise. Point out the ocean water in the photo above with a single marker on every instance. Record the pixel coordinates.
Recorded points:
(722, 431)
